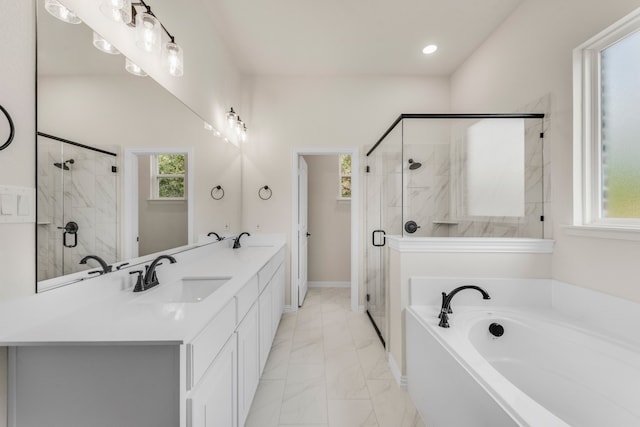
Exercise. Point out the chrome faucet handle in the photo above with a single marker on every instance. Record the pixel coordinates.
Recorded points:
(139, 286)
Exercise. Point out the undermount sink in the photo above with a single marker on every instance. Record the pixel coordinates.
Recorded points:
(187, 289)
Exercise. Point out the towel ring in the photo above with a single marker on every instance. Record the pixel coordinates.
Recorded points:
(265, 192)
(12, 130)
(219, 191)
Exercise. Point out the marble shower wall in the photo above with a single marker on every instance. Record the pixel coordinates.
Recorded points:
(85, 194)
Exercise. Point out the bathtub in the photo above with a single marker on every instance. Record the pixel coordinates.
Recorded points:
(546, 370)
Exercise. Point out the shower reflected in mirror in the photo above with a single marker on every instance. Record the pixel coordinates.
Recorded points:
(413, 165)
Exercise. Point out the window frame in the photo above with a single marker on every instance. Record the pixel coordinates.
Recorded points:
(587, 152)
(156, 176)
(342, 175)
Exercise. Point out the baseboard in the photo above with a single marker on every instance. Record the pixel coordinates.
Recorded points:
(396, 372)
(361, 309)
(329, 284)
(287, 309)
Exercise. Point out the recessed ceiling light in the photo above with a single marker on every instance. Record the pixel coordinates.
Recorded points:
(428, 50)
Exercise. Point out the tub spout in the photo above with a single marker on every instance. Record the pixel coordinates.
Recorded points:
(445, 310)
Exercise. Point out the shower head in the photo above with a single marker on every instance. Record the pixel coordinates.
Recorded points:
(64, 165)
(413, 165)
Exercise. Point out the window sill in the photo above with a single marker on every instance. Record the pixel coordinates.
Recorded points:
(172, 199)
(603, 232)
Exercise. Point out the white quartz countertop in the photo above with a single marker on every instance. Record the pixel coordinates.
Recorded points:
(105, 310)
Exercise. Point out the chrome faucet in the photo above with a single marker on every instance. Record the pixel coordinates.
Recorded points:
(445, 310)
(213, 233)
(105, 268)
(236, 241)
(150, 279)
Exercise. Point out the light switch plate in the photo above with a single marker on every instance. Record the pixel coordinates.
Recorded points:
(17, 204)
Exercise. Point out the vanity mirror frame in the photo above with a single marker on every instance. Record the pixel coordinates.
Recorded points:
(228, 212)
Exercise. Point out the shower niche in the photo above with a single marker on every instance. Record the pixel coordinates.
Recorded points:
(77, 206)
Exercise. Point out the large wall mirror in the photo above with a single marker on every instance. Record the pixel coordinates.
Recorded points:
(124, 169)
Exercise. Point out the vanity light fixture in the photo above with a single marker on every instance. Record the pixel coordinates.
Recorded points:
(102, 44)
(61, 12)
(236, 126)
(134, 68)
(117, 10)
(428, 50)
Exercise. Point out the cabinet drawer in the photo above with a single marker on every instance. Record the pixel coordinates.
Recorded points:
(204, 348)
(246, 297)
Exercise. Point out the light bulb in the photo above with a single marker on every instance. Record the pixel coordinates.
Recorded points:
(148, 32)
(173, 59)
(102, 44)
(134, 69)
(62, 13)
(207, 126)
(117, 10)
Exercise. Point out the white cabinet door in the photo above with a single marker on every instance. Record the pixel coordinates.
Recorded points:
(266, 324)
(214, 401)
(277, 294)
(248, 362)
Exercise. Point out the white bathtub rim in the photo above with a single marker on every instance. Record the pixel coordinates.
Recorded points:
(524, 410)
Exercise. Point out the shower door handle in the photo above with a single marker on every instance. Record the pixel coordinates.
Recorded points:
(70, 228)
(373, 238)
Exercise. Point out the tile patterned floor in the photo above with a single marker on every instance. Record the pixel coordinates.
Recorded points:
(327, 368)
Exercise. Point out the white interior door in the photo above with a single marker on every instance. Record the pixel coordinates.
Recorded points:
(303, 231)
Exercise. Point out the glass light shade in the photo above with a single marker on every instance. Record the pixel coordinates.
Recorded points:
(134, 69)
(102, 44)
(148, 32)
(243, 133)
(118, 10)
(232, 117)
(62, 13)
(207, 126)
(238, 127)
(173, 59)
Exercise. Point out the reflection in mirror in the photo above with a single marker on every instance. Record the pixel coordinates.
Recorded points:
(91, 114)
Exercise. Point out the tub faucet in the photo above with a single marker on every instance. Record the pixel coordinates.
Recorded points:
(150, 279)
(445, 310)
(236, 241)
(105, 268)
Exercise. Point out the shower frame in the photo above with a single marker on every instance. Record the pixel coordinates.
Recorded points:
(377, 284)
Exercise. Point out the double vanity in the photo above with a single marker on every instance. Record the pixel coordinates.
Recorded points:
(188, 352)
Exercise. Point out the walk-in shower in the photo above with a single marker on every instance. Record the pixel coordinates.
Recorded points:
(451, 175)
(77, 205)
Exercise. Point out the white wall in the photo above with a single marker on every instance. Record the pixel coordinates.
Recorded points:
(329, 256)
(528, 57)
(17, 162)
(288, 112)
(161, 224)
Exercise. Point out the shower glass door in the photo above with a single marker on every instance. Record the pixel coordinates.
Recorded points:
(383, 218)
(77, 207)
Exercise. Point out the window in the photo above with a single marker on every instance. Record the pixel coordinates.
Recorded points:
(168, 176)
(607, 140)
(344, 167)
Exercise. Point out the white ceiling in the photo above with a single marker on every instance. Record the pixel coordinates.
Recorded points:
(351, 37)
